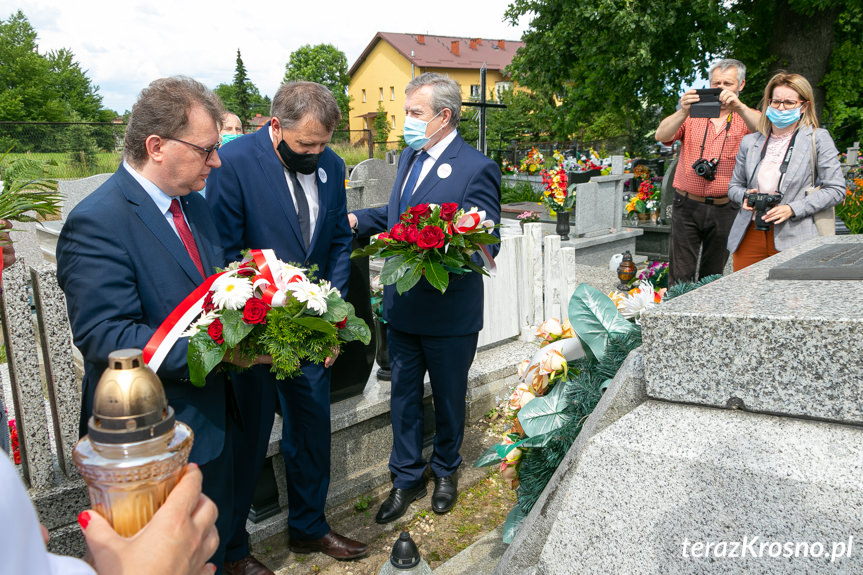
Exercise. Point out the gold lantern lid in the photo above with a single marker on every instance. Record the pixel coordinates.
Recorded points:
(129, 403)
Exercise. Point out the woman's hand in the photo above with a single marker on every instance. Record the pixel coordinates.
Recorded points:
(179, 539)
(745, 204)
(779, 214)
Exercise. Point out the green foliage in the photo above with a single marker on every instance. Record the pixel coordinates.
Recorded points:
(513, 522)
(258, 104)
(518, 192)
(242, 93)
(844, 81)
(595, 319)
(48, 88)
(527, 116)
(25, 191)
(324, 64)
(851, 209)
(614, 67)
(381, 127)
(684, 287)
(362, 503)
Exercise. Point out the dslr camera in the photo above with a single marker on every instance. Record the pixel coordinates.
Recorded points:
(761, 203)
(705, 168)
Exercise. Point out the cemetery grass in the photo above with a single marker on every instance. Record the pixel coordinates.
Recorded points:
(483, 504)
(71, 165)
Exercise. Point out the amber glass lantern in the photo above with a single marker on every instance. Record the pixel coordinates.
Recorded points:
(625, 271)
(135, 451)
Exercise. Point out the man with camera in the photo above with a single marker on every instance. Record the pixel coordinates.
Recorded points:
(710, 124)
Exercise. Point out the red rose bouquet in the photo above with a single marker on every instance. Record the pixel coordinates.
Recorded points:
(260, 306)
(432, 241)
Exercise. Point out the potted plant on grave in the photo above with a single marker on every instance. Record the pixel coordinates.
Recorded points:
(527, 217)
(558, 197)
(532, 163)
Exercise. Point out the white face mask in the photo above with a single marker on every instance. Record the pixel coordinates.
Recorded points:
(415, 132)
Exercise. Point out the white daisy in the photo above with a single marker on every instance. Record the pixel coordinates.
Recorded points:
(634, 304)
(204, 320)
(231, 292)
(288, 274)
(311, 294)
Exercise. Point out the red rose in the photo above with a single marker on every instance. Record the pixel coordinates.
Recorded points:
(448, 210)
(215, 331)
(255, 311)
(431, 237)
(208, 302)
(246, 272)
(412, 234)
(420, 211)
(342, 324)
(384, 236)
(407, 217)
(398, 232)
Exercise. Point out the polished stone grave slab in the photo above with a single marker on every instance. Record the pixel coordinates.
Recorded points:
(789, 347)
(828, 262)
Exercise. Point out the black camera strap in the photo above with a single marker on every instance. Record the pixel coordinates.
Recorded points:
(704, 139)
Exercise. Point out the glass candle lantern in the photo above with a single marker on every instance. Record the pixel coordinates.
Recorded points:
(135, 451)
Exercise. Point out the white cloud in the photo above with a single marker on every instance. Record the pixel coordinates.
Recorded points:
(124, 45)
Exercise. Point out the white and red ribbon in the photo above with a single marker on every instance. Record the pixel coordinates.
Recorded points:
(470, 222)
(191, 307)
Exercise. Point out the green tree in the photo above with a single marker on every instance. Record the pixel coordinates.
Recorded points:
(242, 95)
(381, 127)
(324, 64)
(43, 88)
(259, 104)
(605, 56)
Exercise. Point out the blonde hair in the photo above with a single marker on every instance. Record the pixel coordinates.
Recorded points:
(803, 88)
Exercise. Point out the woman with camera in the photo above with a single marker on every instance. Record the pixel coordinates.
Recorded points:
(785, 173)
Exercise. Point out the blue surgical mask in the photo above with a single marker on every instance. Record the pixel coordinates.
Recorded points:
(782, 118)
(228, 137)
(415, 132)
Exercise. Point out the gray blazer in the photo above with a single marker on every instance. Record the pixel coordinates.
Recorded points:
(797, 178)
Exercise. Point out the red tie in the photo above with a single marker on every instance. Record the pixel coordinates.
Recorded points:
(186, 235)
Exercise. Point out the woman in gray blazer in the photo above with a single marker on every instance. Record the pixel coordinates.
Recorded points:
(773, 177)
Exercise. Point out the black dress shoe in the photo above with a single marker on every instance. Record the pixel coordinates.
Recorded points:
(398, 502)
(445, 493)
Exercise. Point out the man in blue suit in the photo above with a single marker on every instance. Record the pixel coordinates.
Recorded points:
(132, 250)
(427, 330)
(282, 188)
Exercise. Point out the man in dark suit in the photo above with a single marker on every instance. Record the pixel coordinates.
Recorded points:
(132, 250)
(427, 330)
(282, 188)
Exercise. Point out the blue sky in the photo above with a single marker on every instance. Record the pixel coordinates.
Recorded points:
(125, 44)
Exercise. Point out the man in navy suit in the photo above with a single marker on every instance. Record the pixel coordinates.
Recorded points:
(282, 188)
(132, 250)
(427, 330)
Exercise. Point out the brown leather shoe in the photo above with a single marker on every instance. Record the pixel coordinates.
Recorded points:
(246, 566)
(332, 544)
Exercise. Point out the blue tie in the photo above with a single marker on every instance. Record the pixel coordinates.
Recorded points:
(412, 181)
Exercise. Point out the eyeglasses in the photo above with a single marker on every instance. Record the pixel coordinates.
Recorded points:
(207, 151)
(789, 104)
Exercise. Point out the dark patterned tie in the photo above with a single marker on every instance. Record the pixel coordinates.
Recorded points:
(302, 208)
(412, 181)
(186, 235)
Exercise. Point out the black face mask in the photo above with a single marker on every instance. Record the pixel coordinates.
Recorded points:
(302, 163)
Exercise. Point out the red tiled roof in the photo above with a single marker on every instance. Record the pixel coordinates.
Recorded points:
(428, 51)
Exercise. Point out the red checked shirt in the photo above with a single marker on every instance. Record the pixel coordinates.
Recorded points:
(691, 133)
